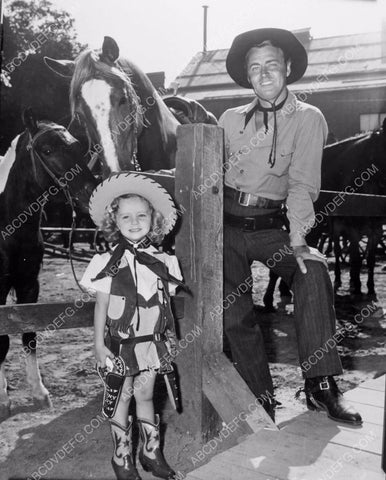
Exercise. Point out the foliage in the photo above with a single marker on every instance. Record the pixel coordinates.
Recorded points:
(36, 26)
(31, 30)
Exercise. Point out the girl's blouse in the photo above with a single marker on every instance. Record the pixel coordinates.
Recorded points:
(147, 280)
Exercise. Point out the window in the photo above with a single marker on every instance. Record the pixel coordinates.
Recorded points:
(371, 121)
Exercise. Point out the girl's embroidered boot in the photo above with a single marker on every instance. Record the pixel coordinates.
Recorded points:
(150, 455)
(122, 460)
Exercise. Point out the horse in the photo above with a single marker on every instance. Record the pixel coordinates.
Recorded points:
(127, 121)
(354, 165)
(42, 161)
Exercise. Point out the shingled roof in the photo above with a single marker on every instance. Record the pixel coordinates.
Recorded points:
(334, 63)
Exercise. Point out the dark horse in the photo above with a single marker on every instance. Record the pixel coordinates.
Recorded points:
(357, 165)
(128, 123)
(352, 166)
(42, 161)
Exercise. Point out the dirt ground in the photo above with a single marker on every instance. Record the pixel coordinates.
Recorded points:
(71, 441)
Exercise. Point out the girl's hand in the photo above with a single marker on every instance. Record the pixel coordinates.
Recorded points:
(101, 353)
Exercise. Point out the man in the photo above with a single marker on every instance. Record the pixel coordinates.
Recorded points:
(274, 149)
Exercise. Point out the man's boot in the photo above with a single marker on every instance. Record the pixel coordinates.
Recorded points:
(150, 455)
(122, 460)
(322, 393)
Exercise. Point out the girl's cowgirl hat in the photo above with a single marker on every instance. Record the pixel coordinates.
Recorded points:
(137, 184)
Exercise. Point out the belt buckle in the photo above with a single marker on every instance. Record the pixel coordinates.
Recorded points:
(245, 199)
(249, 224)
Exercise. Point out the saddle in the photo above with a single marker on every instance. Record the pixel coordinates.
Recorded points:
(188, 111)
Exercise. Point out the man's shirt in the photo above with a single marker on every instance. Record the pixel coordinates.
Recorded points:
(296, 175)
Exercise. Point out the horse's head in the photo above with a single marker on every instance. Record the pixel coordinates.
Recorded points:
(376, 153)
(103, 98)
(57, 160)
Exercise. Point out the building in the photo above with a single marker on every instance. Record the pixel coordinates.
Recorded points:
(345, 78)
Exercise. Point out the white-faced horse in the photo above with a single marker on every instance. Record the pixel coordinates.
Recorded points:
(129, 125)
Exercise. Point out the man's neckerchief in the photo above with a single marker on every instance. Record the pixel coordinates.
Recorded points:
(274, 108)
(151, 262)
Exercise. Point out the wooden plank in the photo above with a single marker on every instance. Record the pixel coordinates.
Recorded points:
(369, 413)
(366, 396)
(199, 247)
(315, 426)
(375, 384)
(288, 456)
(285, 456)
(227, 392)
(311, 446)
(331, 203)
(34, 317)
(215, 470)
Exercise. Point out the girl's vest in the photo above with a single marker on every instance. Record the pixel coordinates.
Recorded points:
(122, 306)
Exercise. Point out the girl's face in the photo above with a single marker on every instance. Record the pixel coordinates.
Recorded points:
(133, 218)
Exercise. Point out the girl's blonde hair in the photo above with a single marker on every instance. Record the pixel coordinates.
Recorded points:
(109, 223)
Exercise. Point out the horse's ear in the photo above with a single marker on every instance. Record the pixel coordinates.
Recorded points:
(29, 120)
(110, 50)
(64, 68)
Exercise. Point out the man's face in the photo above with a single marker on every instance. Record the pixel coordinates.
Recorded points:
(267, 71)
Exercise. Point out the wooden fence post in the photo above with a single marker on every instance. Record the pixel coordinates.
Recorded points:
(211, 388)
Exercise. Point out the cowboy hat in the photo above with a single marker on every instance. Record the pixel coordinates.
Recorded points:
(285, 40)
(137, 184)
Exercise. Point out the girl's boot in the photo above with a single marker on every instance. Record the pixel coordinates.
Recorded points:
(122, 460)
(150, 454)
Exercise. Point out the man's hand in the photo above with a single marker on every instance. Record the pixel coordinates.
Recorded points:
(304, 252)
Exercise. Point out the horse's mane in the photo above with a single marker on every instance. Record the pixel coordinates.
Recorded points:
(88, 66)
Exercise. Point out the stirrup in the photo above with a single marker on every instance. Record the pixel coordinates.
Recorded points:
(112, 376)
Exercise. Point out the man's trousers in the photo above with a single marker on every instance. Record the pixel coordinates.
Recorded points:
(314, 313)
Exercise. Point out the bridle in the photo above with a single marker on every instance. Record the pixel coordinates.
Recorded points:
(35, 158)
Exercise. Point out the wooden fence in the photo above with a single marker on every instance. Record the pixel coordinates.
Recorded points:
(212, 391)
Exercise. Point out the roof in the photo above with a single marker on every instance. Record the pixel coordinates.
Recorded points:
(340, 62)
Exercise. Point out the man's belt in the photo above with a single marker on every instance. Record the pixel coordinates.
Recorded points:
(258, 222)
(249, 200)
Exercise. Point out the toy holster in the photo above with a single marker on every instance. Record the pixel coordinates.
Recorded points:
(113, 383)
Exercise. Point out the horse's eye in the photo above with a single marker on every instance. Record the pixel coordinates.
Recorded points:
(122, 101)
(46, 151)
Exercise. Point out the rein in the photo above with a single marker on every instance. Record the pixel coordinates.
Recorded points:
(63, 187)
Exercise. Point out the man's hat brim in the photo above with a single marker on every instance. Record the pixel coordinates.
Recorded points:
(137, 184)
(285, 40)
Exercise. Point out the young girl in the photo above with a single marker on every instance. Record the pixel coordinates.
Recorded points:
(132, 287)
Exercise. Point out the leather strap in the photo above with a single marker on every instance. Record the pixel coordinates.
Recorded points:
(251, 224)
(116, 342)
